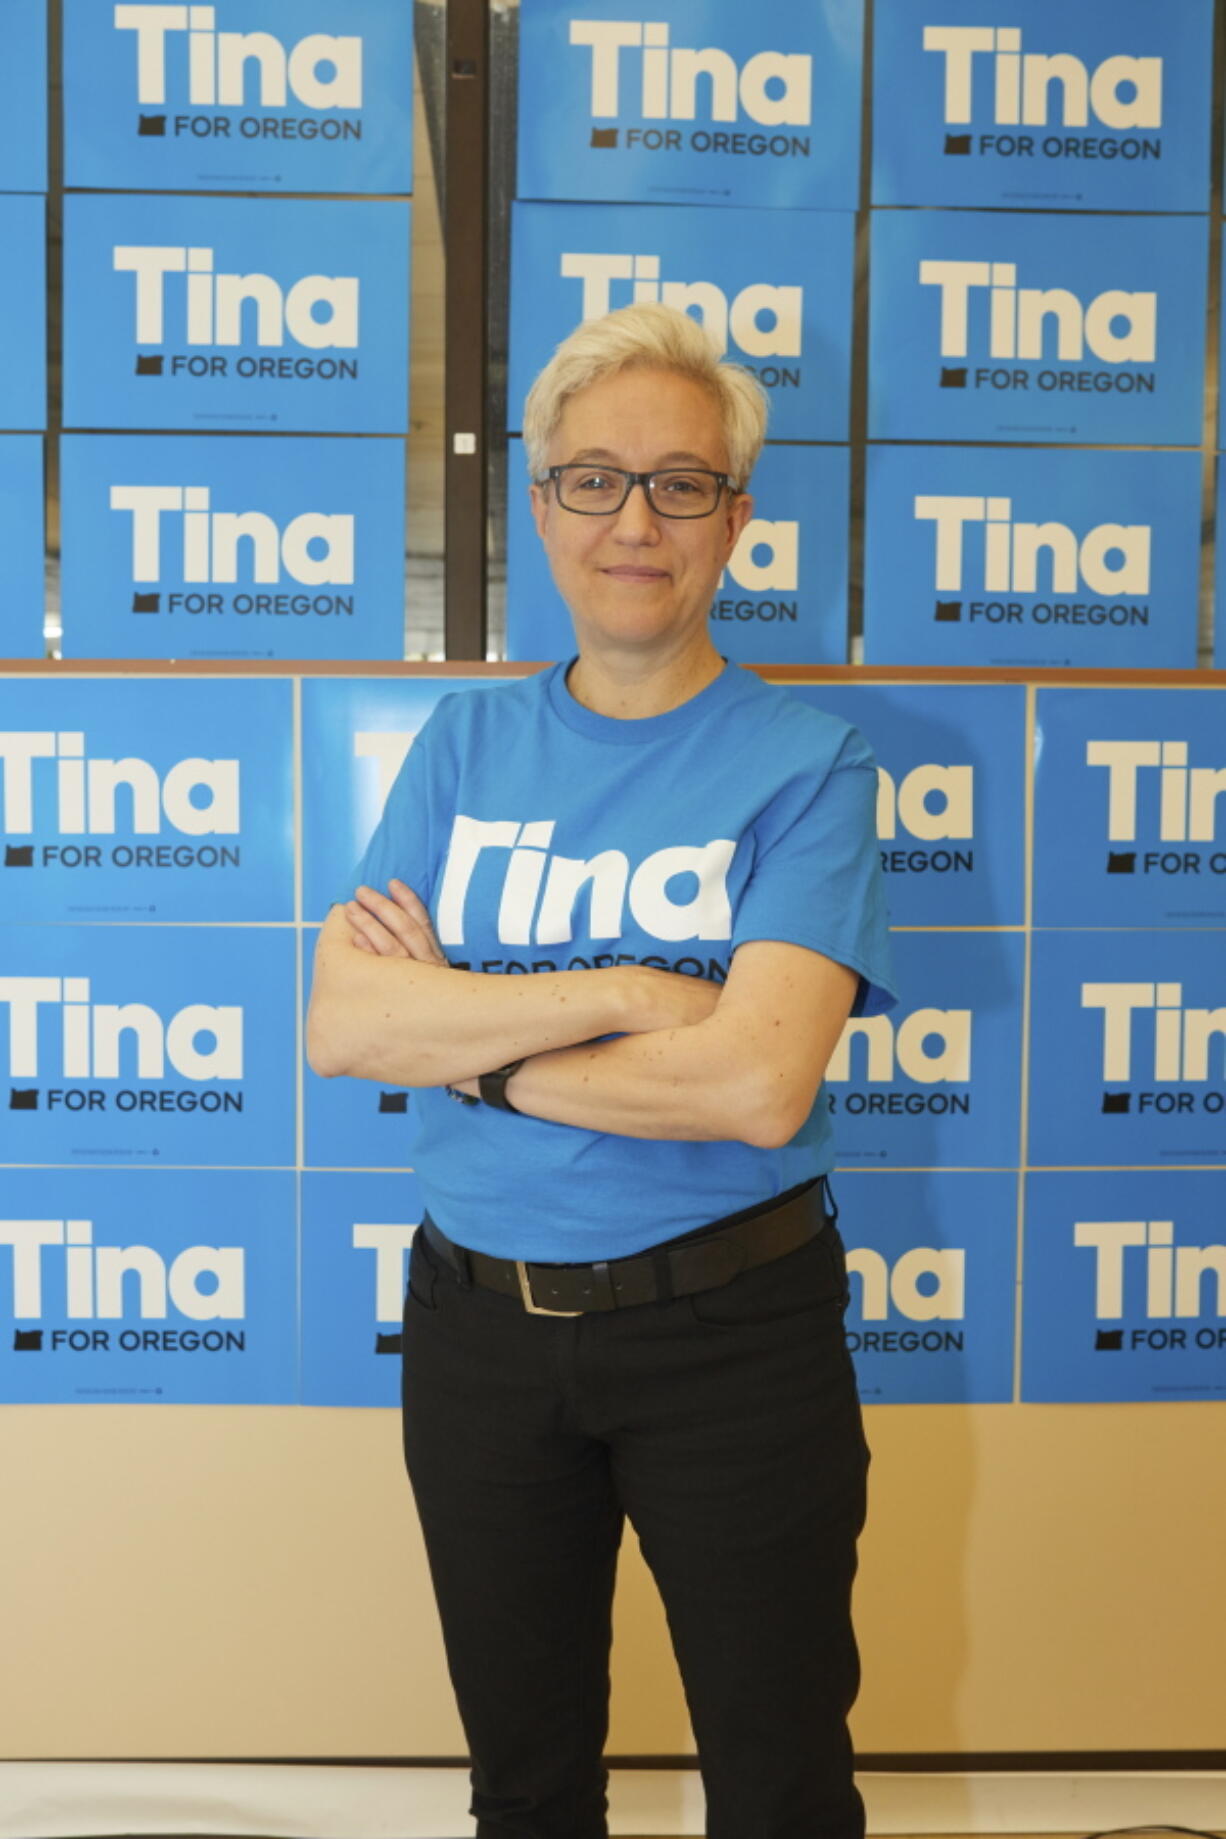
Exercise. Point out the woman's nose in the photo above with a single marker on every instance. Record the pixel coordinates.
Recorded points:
(636, 521)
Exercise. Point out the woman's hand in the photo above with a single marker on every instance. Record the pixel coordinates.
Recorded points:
(670, 999)
(399, 927)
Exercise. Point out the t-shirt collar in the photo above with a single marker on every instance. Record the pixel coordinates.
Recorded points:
(630, 732)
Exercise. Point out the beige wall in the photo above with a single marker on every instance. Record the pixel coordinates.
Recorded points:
(236, 1582)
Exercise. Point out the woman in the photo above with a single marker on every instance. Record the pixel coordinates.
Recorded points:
(626, 1295)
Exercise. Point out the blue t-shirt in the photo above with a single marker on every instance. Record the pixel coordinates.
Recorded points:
(542, 836)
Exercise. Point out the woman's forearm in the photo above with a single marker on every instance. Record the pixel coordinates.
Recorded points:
(676, 1083)
(402, 1022)
(748, 1072)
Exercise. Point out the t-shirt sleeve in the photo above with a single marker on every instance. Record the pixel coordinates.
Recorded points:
(400, 845)
(817, 880)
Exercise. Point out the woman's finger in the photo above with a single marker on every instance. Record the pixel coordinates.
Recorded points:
(416, 912)
(387, 914)
(376, 937)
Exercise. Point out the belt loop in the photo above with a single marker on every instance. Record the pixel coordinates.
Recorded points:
(454, 1256)
(664, 1276)
(832, 1208)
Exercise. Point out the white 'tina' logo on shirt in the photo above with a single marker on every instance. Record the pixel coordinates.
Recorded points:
(707, 914)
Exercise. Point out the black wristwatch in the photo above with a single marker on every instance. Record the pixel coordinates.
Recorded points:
(493, 1087)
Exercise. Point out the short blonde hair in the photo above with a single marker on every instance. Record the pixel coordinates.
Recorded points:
(646, 337)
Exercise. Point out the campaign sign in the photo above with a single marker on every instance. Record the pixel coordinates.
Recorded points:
(1015, 326)
(351, 1123)
(716, 104)
(356, 1234)
(213, 313)
(773, 292)
(21, 546)
(931, 1263)
(355, 736)
(23, 311)
(168, 1287)
(936, 1084)
(146, 800)
(1014, 556)
(23, 97)
(781, 600)
(1042, 105)
(1130, 808)
(242, 96)
(951, 763)
(1124, 1292)
(147, 1043)
(245, 547)
(1127, 1048)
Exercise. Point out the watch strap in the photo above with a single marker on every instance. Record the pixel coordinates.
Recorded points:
(493, 1086)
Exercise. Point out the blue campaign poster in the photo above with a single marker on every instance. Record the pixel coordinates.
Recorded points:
(23, 97)
(782, 598)
(213, 313)
(1042, 107)
(23, 313)
(252, 95)
(1124, 1293)
(1020, 326)
(147, 1045)
(355, 736)
(951, 761)
(931, 1261)
(937, 1083)
(21, 546)
(717, 104)
(1007, 556)
(356, 1235)
(774, 292)
(194, 547)
(1128, 1049)
(1130, 807)
(351, 1123)
(150, 1286)
(146, 800)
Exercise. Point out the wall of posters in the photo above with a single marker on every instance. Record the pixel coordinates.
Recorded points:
(171, 847)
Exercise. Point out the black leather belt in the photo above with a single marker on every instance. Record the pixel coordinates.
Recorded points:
(696, 1261)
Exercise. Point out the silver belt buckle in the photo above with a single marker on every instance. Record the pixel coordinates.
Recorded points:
(525, 1291)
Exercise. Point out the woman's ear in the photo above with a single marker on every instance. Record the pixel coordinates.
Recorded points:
(740, 510)
(539, 502)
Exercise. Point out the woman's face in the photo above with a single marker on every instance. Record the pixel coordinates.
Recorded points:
(633, 578)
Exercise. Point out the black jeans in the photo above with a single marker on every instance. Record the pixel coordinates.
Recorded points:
(727, 1427)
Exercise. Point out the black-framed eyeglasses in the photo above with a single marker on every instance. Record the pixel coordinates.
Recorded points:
(674, 491)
